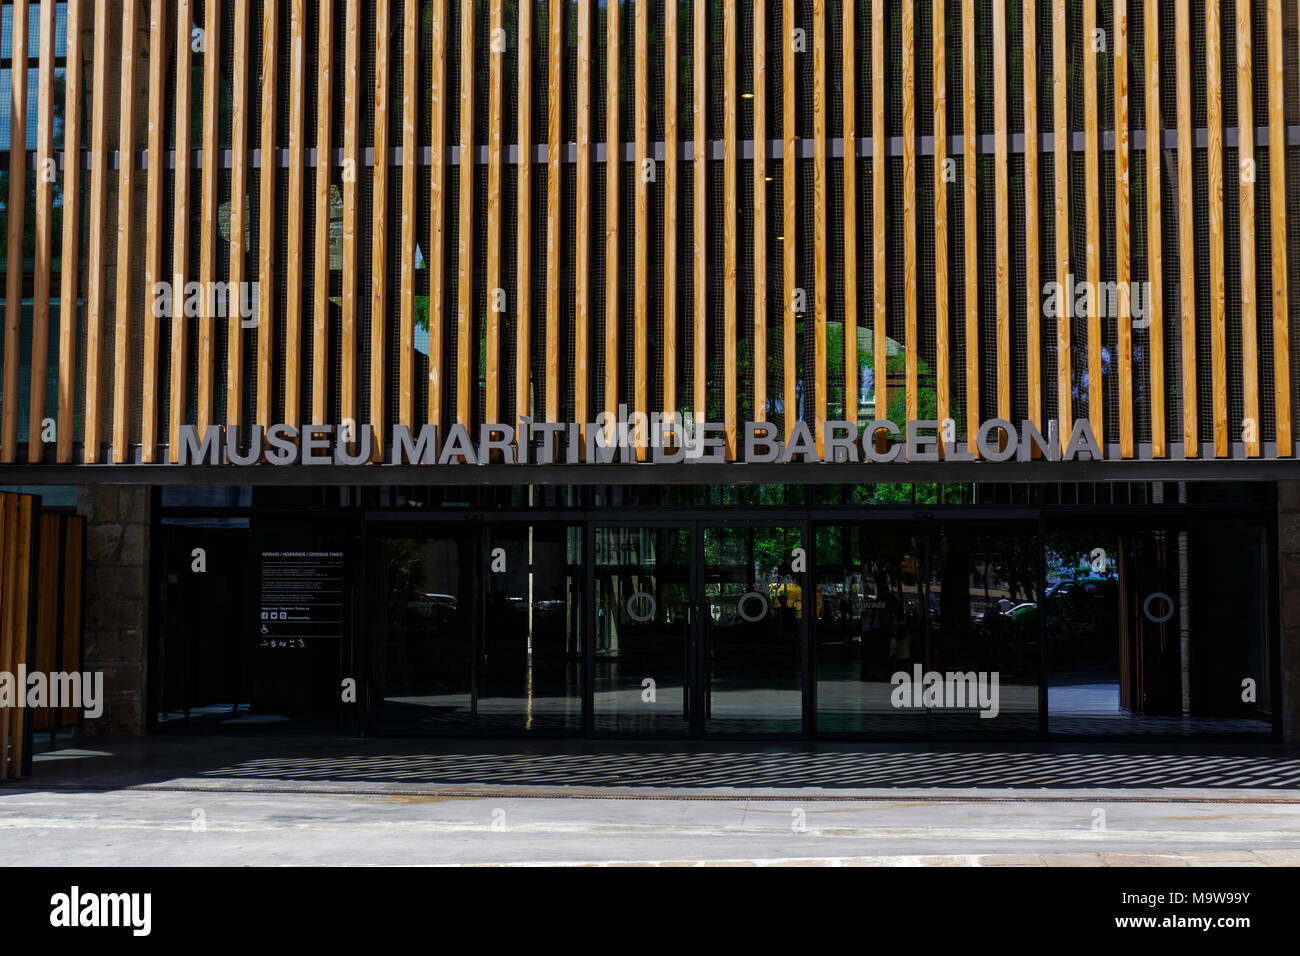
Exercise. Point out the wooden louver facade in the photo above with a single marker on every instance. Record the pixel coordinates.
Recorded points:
(443, 211)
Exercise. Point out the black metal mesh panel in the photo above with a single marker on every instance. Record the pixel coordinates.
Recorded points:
(568, 288)
(479, 291)
(776, 296)
(835, 275)
(511, 217)
(1264, 300)
(987, 229)
(655, 259)
(281, 292)
(805, 375)
(745, 368)
(311, 264)
(1140, 277)
(252, 252)
(716, 370)
(569, 112)
(311, 65)
(597, 215)
(626, 265)
(803, 70)
(539, 269)
(686, 285)
(283, 86)
(773, 28)
(1168, 64)
(1196, 17)
(541, 64)
(1047, 325)
(1232, 287)
(1204, 394)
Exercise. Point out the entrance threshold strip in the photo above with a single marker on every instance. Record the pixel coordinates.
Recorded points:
(480, 793)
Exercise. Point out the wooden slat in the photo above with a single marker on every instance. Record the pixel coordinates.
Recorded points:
(293, 259)
(1155, 263)
(352, 161)
(69, 268)
(1277, 227)
(46, 598)
(524, 205)
(1214, 159)
(208, 209)
(669, 328)
(44, 212)
(730, 226)
(1122, 264)
(95, 270)
(641, 81)
(819, 220)
(492, 262)
(238, 215)
(1246, 221)
(8, 536)
(1002, 210)
(125, 239)
(16, 211)
(438, 208)
(582, 268)
(848, 36)
(910, 341)
(1033, 308)
(1092, 193)
(878, 206)
(74, 530)
(699, 180)
(759, 94)
(940, 87)
(379, 230)
(613, 160)
(320, 307)
(970, 214)
(790, 248)
(1061, 208)
(465, 232)
(1186, 240)
(22, 617)
(266, 218)
(554, 70)
(410, 146)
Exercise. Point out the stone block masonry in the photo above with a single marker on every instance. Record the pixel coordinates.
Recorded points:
(117, 602)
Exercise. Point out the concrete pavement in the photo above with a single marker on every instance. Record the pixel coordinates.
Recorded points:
(310, 801)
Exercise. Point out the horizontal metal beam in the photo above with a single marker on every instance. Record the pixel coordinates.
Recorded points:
(715, 148)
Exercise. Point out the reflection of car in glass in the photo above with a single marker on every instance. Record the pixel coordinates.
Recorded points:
(1026, 610)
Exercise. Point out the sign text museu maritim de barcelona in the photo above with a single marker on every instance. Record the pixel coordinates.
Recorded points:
(650, 440)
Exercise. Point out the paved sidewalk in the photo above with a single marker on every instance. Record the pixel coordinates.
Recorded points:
(161, 801)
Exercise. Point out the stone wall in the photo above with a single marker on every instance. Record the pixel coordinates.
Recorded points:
(117, 602)
(1288, 547)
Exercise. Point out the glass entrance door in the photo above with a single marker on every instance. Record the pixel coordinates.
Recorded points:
(927, 628)
(699, 629)
(477, 628)
(751, 644)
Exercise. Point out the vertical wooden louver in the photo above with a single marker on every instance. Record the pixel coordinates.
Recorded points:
(769, 163)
